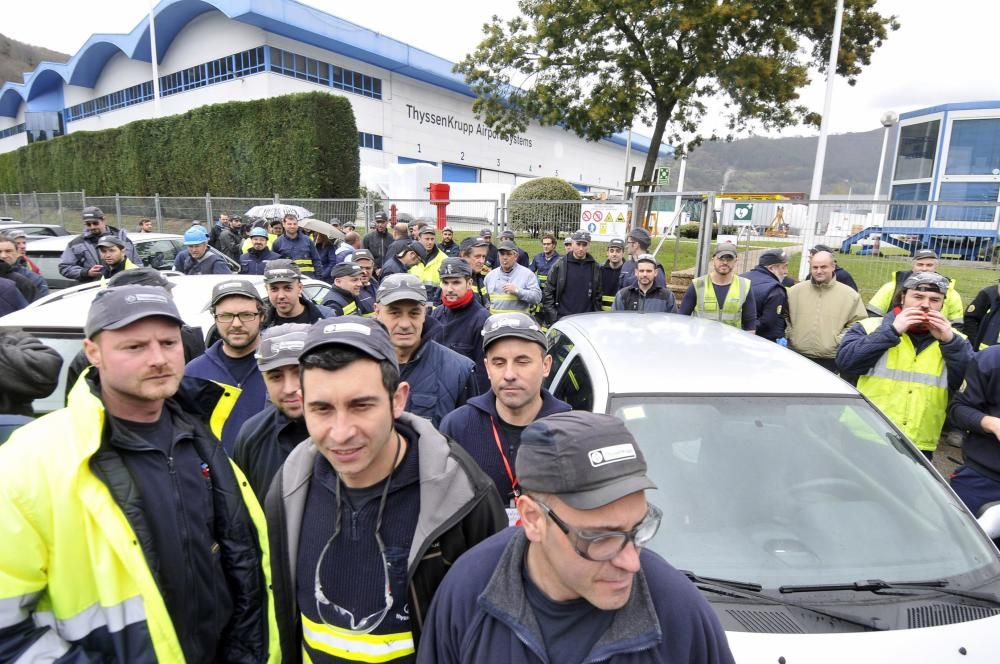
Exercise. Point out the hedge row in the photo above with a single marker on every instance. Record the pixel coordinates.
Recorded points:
(303, 145)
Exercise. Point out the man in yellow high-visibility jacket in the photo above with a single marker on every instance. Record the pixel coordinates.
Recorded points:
(722, 295)
(924, 260)
(128, 535)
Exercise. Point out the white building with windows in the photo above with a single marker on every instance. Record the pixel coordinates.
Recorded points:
(409, 106)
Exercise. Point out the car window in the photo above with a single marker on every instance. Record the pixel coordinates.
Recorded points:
(158, 253)
(560, 346)
(797, 490)
(575, 386)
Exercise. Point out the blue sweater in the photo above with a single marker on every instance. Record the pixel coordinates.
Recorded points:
(11, 299)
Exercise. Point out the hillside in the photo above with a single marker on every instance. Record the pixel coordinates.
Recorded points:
(17, 57)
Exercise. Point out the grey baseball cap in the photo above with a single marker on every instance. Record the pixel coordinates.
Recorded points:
(927, 281)
(454, 267)
(140, 276)
(580, 236)
(470, 242)
(281, 345)
(428, 229)
(114, 308)
(646, 258)
(110, 241)
(521, 326)
(725, 249)
(587, 459)
(361, 254)
(640, 235)
(346, 269)
(507, 235)
(413, 246)
(924, 254)
(364, 334)
(401, 286)
(507, 245)
(281, 269)
(240, 287)
(92, 212)
(486, 232)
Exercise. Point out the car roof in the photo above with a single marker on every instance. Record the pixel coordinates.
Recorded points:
(59, 243)
(669, 353)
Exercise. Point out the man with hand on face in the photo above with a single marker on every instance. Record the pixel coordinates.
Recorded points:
(128, 536)
(230, 362)
(512, 286)
(462, 317)
(369, 284)
(342, 299)
(722, 285)
(81, 260)
(910, 359)
(197, 257)
(284, 294)
(113, 256)
(439, 379)
(411, 253)
(489, 426)
(368, 514)
(266, 439)
(574, 583)
(644, 294)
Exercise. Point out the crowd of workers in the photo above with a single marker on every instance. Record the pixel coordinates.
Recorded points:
(393, 482)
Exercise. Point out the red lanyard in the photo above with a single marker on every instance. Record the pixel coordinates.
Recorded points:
(503, 455)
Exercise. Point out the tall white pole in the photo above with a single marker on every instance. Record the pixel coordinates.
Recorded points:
(628, 157)
(154, 58)
(680, 188)
(809, 232)
(881, 163)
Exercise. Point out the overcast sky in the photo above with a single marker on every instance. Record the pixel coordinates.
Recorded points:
(943, 51)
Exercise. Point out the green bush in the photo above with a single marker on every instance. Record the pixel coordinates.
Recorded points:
(691, 230)
(302, 145)
(528, 212)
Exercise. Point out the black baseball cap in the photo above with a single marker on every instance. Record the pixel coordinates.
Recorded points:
(361, 254)
(924, 254)
(413, 245)
(507, 245)
(240, 287)
(640, 235)
(110, 241)
(114, 308)
(454, 267)
(586, 459)
(616, 242)
(507, 235)
(514, 324)
(580, 236)
(364, 334)
(281, 345)
(486, 232)
(140, 276)
(470, 242)
(381, 216)
(772, 257)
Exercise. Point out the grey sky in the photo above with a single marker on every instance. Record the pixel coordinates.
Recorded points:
(940, 54)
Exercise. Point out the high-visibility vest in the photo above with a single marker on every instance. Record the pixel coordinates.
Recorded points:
(731, 312)
(606, 302)
(911, 389)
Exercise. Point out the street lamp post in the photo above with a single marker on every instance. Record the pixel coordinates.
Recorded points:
(888, 121)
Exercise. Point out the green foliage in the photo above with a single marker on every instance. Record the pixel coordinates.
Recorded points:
(691, 230)
(529, 212)
(597, 66)
(303, 146)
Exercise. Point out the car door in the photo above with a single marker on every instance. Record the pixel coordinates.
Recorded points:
(569, 378)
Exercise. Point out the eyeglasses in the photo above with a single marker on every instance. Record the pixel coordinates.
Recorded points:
(601, 545)
(244, 316)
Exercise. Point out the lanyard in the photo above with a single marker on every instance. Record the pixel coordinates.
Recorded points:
(503, 455)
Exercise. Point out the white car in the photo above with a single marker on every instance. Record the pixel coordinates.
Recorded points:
(817, 532)
(58, 318)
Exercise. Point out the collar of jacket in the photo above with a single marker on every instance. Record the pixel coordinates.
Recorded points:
(763, 270)
(827, 286)
(635, 625)
(487, 403)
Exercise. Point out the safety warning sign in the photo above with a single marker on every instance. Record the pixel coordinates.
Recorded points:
(604, 221)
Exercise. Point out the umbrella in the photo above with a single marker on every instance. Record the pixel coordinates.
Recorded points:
(318, 226)
(277, 211)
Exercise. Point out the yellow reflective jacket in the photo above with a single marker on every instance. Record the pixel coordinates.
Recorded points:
(952, 309)
(731, 312)
(71, 565)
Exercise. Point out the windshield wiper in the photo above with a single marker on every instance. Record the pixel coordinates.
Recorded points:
(878, 585)
(724, 583)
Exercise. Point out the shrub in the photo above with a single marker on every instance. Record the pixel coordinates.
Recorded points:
(691, 230)
(528, 212)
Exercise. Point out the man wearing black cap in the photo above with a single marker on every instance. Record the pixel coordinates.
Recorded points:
(448, 245)
(474, 250)
(924, 260)
(368, 514)
(113, 257)
(410, 254)
(611, 271)
(574, 584)
(910, 359)
(769, 294)
(440, 379)
(574, 283)
(377, 241)
(721, 285)
(342, 299)
(462, 317)
(128, 535)
(492, 253)
(522, 255)
(512, 286)
(637, 244)
(266, 439)
(545, 259)
(284, 294)
(427, 269)
(230, 362)
(81, 260)
(369, 284)
(644, 294)
(489, 426)
(839, 273)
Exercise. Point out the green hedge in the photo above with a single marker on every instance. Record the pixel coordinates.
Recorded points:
(691, 230)
(302, 145)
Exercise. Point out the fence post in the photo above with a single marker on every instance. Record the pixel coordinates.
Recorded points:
(37, 208)
(62, 222)
(277, 199)
(83, 198)
(369, 210)
(118, 211)
(208, 211)
(705, 236)
(6, 214)
(500, 217)
(158, 213)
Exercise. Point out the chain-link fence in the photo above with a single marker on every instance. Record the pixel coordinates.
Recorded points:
(537, 217)
(460, 215)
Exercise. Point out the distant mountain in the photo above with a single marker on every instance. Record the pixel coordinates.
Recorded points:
(786, 165)
(16, 58)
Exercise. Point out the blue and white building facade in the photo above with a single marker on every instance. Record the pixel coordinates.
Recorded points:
(409, 106)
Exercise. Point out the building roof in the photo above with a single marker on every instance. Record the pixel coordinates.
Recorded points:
(287, 18)
(955, 106)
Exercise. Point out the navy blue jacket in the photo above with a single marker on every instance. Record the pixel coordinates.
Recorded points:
(253, 261)
(11, 299)
(211, 263)
(81, 254)
(979, 396)
(210, 367)
(772, 302)
(541, 265)
(480, 614)
(451, 249)
(41, 287)
(338, 300)
(259, 451)
(440, 381)
(327, 260)
(301, 250)
(316, 312)
(462, 331)
(656, 300)
(392, 266)
(626, 277)
(366, 298)
(472, 428)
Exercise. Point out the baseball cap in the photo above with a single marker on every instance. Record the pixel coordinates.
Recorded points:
(454, 267)
(522, 326)
(346, 269)
(448, 229)
(925, 253)
(240, 287)
(401, 286)
(15, 234)
(927, 281)
(140, 276)
(110, 241)
(281, 345)
(507, 245)
(114, 308)
(725, 249)
(349, 224)
(616, 242)
(772, 257)
(640, 235)
(568, 240)
(470, 242)
(364, 334)
(580, 236)
(361, 254)
(413, 246)
(645, 258)
(486, 232)
(258, 232)
(428, 230)
(92, 212)
(195, 235)
(281, 269)
(335, 222)
(587, 459)
(381, 216)
(507, 235)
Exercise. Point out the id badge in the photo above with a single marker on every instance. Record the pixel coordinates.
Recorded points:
(512, 514)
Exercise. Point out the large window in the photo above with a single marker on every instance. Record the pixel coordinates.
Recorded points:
(370, 141)
(11, 131)
(974, 147)
(920, 191)
(324, 73)
(917, 149)
(979, 192)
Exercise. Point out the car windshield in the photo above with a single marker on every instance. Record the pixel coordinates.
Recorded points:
(780, 490)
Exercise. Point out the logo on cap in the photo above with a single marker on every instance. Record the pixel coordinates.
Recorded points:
(612, 454)
(145, 297)
(347, 327)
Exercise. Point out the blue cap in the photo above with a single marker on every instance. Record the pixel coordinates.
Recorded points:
(195, 235)
(258, 232)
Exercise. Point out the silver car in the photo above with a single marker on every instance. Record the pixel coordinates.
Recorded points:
(817, 532)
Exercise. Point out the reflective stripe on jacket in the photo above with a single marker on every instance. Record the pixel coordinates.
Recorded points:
(301, 250)
(528, 291)
(732, 309)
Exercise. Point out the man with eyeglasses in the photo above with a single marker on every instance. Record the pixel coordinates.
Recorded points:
(230, 361)
(574, 583)
(367, 515)
(722, 295)
(81, 260)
